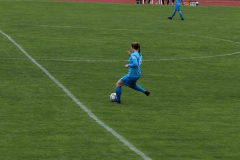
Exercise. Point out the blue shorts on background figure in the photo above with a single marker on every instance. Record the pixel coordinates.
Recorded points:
(134, 72)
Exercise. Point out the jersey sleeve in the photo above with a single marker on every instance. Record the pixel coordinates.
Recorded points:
(134, 61)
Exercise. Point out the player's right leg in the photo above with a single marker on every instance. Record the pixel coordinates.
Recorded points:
(181, 15)
(124, 81)
(119, 85)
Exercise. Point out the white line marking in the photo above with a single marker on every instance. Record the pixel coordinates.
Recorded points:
(114, 133)
(164, 59)
(130, 30)
(147, 60)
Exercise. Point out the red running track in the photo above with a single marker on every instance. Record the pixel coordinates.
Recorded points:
(201, 2)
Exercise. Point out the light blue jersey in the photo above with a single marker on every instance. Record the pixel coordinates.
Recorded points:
(134, 71)
(135, 60)
(178, 2)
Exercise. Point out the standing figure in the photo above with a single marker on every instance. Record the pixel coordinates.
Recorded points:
(169, 1)
(177, 8)
(134, 72)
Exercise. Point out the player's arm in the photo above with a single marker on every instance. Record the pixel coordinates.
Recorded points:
(135, 62)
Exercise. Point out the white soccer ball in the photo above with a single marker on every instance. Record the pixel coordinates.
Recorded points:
(113, 97)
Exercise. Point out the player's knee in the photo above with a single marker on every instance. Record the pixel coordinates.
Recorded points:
(119, 83)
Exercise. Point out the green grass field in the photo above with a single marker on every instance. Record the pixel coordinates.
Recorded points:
(191, 68)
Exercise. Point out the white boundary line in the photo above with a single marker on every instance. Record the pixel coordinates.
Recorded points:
(131, 30)
(147, 60)
(118, 136)
(164, 59)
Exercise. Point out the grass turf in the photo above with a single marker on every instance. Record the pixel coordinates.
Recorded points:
(191, 68)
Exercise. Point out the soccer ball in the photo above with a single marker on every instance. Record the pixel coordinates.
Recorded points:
(113, 97)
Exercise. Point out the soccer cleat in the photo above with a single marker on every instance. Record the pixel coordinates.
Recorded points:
(147, 93)
(117, 102)
(169, 17)
(182, 18)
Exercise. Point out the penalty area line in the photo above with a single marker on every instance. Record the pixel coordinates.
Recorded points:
(109, 129)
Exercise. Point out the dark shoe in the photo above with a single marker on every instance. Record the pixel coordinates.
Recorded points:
(117, 102)
(182, 18)
(147, 93)
(169, 17)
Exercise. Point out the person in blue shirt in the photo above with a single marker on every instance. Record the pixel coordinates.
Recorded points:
(134, 72)
(177, 8)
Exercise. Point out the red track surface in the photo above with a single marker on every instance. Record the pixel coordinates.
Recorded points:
(201, 2)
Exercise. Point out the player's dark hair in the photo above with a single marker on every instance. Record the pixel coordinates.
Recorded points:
(136, 46)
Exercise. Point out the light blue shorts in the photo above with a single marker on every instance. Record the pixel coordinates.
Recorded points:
(129, 80)
(177, 7)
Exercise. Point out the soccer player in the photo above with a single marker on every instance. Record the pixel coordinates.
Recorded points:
(134, 72)
(177, 8)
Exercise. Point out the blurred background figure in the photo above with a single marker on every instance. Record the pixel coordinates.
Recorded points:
(169, 1)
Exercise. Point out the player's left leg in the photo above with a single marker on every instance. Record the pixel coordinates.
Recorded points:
(139, 88)
(181, 15)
